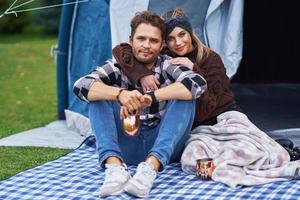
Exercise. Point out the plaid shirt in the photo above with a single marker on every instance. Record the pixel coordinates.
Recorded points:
(111, 74)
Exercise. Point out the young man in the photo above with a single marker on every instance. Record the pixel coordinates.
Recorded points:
(165, 124)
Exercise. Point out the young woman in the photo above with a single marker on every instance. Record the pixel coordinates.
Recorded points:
(186, 49)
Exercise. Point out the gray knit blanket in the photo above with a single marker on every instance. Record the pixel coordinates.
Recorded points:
(241, 152)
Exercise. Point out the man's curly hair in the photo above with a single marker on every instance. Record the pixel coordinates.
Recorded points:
(147, 17)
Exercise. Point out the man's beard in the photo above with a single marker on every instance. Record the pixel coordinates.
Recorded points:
(143, 60)
(146, 60)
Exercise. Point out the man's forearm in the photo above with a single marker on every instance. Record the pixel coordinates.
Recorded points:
(132, 100)
(174, 91)
(100, 91)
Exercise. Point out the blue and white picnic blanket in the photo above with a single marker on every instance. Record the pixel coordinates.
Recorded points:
(77, 176)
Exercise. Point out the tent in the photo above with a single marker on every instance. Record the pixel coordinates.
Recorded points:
(247, 41)
(88, 31)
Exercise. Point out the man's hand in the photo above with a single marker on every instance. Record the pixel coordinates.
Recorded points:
(145, 101)
(124, 112)
(131, 100)
(182, 61)
(149, 82)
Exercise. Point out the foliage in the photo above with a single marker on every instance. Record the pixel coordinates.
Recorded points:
(48, 18)
(36, 21)
(11, 23)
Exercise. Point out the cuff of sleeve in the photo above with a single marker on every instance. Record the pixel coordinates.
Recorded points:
(81, 88)
(188, 84)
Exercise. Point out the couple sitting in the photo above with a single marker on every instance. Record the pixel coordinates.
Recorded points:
(186, 90)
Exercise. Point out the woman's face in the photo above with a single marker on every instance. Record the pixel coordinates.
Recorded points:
(179, 41)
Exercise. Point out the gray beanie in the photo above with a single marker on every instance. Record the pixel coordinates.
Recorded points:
(179, 21)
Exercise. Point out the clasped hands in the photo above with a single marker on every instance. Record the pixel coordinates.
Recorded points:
(132, 102)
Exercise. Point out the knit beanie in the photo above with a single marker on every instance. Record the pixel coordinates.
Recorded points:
(178, 21)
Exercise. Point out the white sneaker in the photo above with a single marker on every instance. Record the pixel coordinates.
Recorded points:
(116, 177)
(141, 183)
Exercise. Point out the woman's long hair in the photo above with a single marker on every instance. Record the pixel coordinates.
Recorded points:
(202, 50)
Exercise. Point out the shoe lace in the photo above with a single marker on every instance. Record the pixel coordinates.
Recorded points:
(113, 172)
(146, 172)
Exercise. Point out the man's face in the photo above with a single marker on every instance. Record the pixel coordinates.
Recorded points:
(146, 44)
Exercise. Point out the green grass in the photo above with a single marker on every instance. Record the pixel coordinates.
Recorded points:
(17, 159)
(24, 38)
(28, 86)
(28, 98)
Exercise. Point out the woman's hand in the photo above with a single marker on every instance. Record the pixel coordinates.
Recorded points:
(149, 82)
(182, 61)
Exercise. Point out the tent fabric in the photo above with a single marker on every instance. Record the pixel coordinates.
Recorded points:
(196, 11)
(121, 13)
(62, 59)
(89, 44)
(223, 31)
(77, 175)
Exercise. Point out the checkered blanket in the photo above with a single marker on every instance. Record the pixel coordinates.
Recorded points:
(77, 176)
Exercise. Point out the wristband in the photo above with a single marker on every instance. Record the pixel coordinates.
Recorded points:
(118, 95)
(153, 97)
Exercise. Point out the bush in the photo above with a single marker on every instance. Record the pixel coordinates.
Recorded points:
(44, 20)
(48, 18)
(11, 23)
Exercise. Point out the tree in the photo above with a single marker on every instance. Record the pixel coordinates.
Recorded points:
(48, 18)
(11, 23)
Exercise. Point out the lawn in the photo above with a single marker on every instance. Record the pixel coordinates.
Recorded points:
(28, 87)
(17, 159)
(28, 98)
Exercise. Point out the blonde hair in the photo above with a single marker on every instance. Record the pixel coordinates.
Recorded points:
(202, 50)
(173, 13)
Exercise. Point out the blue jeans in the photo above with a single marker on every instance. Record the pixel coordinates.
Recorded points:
(164, 141)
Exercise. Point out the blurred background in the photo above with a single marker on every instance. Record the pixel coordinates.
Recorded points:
(44, 21)
(27, 81)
